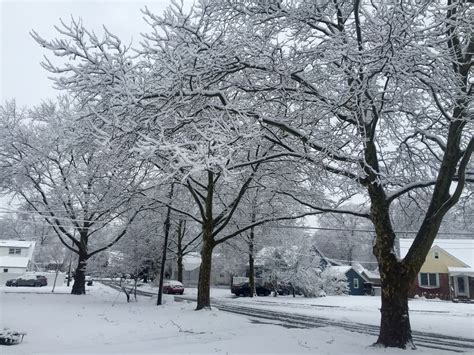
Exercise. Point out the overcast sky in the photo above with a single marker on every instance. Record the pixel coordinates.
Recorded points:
(22, 77)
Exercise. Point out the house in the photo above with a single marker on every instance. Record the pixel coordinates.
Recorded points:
(448, 270)
(191, 266)
(324, 261)
(16, 258)
(357, 278)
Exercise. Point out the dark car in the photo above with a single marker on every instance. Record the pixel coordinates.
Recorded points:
(31, 281)
(243, 289)
(11, 282)
(173, 287)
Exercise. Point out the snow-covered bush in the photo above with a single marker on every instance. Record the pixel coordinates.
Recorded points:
(299, 268)
(334, 282)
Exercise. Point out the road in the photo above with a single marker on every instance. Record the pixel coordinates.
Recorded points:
(291, 320)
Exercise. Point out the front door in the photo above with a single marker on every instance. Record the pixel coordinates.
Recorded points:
(462, 286)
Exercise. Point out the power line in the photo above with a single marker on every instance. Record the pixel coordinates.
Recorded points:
(281, 226)
(360, 230)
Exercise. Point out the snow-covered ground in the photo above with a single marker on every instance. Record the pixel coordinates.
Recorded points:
(103, 322)
(436, 316)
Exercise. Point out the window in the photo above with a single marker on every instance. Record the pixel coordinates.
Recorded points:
(356, 283)
(14, 251)
(5, 270)
(436, 255)
(428, 280)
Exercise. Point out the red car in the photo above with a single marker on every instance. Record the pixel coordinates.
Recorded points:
(173, 287)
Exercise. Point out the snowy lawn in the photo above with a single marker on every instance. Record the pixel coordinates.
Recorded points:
(435, 316)
(102, 322)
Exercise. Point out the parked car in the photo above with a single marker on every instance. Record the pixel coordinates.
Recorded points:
(33, 281)
(243, 289)
(10, 283)
(42, 279)
(173, 287)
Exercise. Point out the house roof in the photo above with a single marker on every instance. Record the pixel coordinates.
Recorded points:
(367, 274)
(16, 243)
(372, 274)
(13, 261)
(453, 271)
(330, 261)
(461, 249)
(358, 269)
(341, 268)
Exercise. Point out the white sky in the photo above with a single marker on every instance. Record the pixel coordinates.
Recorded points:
(22, 77)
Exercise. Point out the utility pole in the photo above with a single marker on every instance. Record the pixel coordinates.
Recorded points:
(165, 246)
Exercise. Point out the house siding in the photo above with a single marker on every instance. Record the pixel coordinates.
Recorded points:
(351, 275)
(441, 292)
(441, 264)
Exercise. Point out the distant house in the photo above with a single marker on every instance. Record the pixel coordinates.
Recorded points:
(448, 270)
(357, 278)
(191, 266)
(16, 257)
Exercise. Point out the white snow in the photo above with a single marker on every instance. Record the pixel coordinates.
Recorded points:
(342, 268)
(435, 316)
(469, 271)
(103, 322)
(16, 243)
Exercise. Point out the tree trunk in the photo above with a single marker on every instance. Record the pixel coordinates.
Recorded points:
(179, 248)
(165, 247)
(204, 298)
(79, 286)
(395, 329)
(179, 262)
(395, 276)
(55, 278)
(251, 270)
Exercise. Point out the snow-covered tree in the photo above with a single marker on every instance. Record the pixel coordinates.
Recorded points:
(299, 267)
(346, 239)
(79, 186)
(334, 282)
(373, 98)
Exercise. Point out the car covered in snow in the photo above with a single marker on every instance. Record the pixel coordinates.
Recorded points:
(28, 280)
(173, 287)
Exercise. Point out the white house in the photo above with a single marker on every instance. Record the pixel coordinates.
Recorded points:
(16, 257)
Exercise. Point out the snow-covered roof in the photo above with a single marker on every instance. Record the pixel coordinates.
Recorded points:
(14, 261)
(364, 272)
(342, 268)
(324, 257)
(453, 271)
(16, 243)
(462, 249)
(372, 274)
